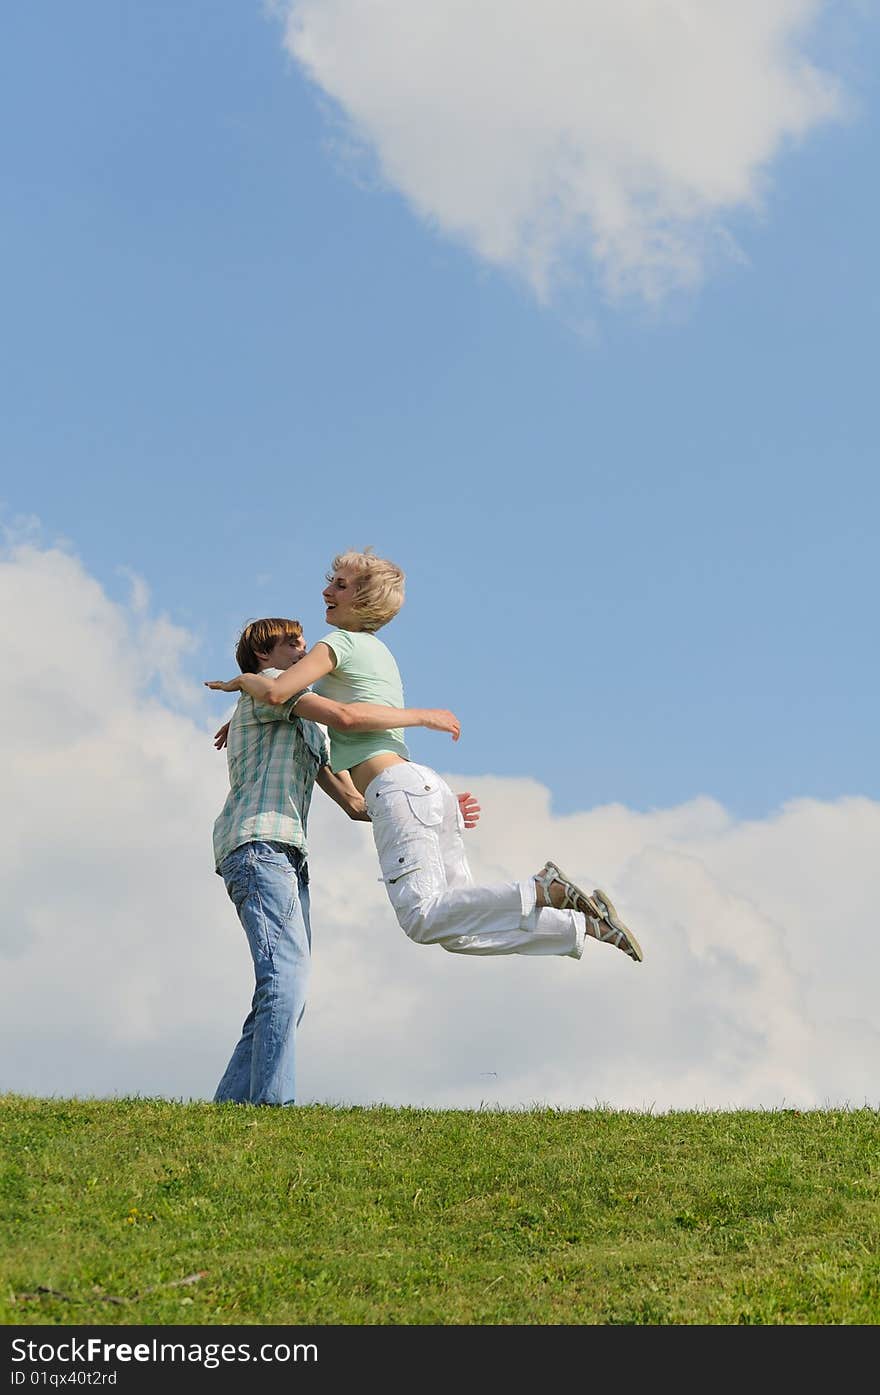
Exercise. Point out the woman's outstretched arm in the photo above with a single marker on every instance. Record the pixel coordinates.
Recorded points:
(371, 716)
(364, 716)
(344, 716)
(319, 661)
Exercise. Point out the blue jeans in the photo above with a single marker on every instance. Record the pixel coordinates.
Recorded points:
(268, 883)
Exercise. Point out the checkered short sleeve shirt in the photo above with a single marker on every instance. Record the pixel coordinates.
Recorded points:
(273, 757)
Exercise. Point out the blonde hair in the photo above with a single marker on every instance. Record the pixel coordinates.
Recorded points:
(258, 637)
(379, 586)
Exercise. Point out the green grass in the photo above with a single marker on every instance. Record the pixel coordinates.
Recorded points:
(404, 1216)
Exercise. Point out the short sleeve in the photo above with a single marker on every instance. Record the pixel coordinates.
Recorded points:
(265, 712)
(324, 758)
(341, 644)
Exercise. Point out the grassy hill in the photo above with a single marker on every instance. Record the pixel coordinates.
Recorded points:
(141, 1211)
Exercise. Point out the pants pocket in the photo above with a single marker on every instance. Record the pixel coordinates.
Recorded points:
(238, 878)
(426, 806)
(413, 874)
(263, 886)
(403, 860)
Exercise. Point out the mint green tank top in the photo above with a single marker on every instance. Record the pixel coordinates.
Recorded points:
(365, 671)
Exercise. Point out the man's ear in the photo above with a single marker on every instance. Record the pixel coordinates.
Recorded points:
(262, 657)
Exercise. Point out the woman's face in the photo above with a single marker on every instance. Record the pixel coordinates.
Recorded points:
(339, 597)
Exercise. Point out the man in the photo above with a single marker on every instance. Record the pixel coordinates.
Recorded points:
(275, 755)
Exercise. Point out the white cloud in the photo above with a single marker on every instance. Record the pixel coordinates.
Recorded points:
(623, 130)
(124, 970)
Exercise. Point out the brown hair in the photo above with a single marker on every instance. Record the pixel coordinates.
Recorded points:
(258, 637)
(379, 586)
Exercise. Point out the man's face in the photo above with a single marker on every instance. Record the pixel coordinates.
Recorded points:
(286, 652)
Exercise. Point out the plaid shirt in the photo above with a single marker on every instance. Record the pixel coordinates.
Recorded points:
(273, 757)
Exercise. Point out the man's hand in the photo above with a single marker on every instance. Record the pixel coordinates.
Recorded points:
(222, 736)
(231, 685)
(438, 719)
(341, 789)
(470, 809)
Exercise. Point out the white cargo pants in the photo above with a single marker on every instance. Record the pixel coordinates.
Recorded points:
(417, 827)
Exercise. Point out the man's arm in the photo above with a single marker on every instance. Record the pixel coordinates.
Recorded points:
(342, 791)
(370, 716)
(470, 809)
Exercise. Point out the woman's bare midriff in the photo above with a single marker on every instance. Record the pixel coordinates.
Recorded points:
(367, 770)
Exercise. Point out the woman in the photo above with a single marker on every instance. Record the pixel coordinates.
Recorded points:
(415, 816)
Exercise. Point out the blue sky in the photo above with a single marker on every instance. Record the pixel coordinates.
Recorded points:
(639, 537)
(575, 318)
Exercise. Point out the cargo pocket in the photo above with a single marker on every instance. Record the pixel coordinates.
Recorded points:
(412, 875)
(426, 805)
(403, 860)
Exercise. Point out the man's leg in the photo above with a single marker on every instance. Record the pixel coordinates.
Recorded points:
(269, 887)
(235, 1086)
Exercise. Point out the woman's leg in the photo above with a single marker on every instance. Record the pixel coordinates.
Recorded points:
(416, 827)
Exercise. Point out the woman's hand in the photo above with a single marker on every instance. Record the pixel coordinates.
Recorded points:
(470, 809)
(438, 719)
(231, 685)
(221, 737)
